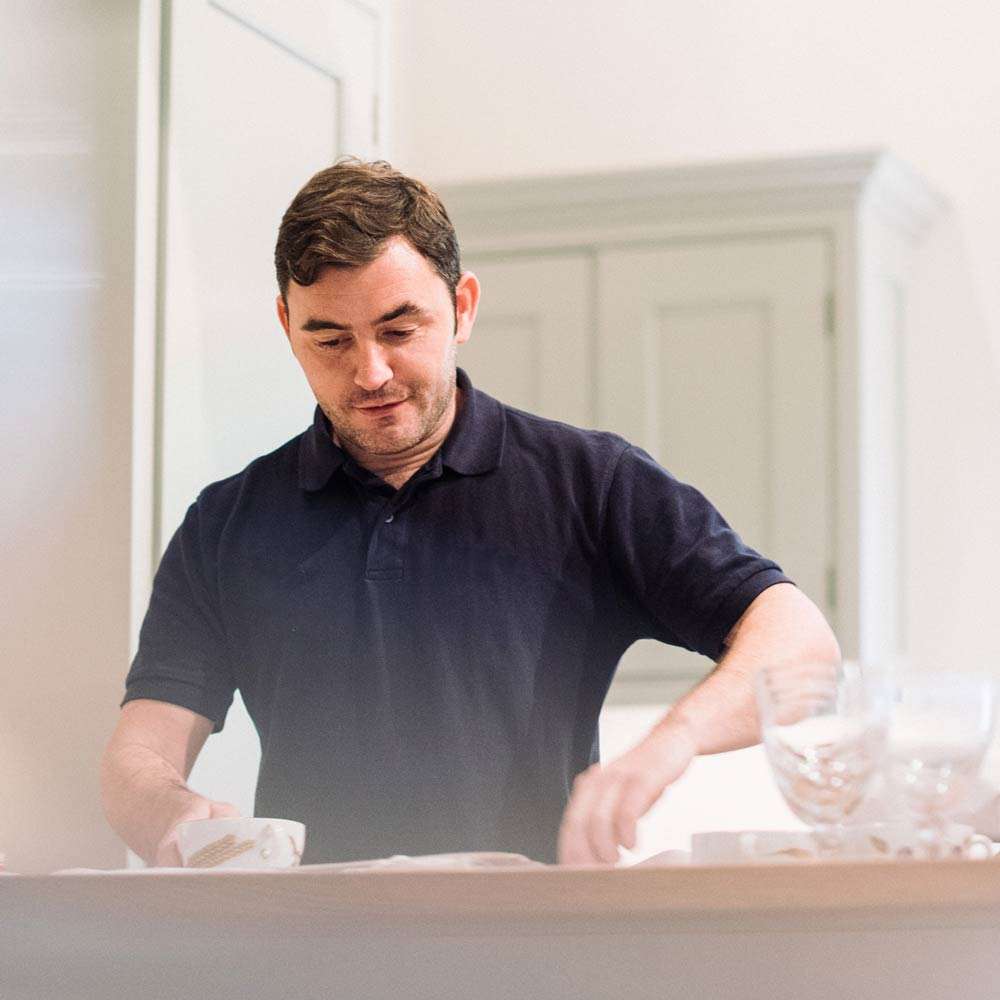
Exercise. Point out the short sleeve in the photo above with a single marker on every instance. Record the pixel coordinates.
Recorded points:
(688, 572)
(183, 656)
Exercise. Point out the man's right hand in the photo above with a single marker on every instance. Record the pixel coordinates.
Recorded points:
(192, 806)
(144, 774)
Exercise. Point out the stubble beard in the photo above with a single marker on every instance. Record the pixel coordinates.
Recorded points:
(431, 403)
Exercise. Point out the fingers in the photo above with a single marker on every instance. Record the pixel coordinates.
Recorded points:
(195, 807)
(601, 826)
(637, 799)
(593, 824)
(607, 802)
(167, 853)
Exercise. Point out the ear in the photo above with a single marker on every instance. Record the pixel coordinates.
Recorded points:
(283, 316)
(466, 305)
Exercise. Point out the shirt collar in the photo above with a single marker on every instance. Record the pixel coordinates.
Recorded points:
(474, 444)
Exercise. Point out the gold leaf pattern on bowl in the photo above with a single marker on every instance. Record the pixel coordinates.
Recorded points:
(219, 851)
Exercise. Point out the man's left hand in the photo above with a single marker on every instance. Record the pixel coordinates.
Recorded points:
(607, 801)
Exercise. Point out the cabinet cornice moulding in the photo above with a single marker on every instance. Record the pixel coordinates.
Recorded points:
(723, 189)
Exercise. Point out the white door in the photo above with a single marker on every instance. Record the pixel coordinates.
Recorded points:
(260, 96)
(531, 346)
(714, 358)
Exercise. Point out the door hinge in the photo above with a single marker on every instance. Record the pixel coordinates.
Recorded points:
(830, 314)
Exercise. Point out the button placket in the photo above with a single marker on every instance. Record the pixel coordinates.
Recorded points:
(389, 536)
(385, 550)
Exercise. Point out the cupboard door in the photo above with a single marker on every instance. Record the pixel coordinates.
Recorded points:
(714, 358)
(531, 344)
(245, 133)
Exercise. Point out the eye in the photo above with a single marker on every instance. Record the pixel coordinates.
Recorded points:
(328, 345)
(397, 334)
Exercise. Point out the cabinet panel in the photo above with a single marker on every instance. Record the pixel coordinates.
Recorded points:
(715, 359)
(691, 416)
(531, 345)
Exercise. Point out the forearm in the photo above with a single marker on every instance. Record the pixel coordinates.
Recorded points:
(781, 625)
(142, 793)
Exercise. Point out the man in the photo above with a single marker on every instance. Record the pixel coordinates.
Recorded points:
(423, 597)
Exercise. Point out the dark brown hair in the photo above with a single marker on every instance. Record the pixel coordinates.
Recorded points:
(344, 215)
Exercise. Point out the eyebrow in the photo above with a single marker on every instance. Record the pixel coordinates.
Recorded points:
(315, 324)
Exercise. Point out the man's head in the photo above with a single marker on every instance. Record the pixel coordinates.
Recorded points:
(374, 303)
(344, 215)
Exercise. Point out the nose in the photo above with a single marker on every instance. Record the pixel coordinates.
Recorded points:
(372, 371)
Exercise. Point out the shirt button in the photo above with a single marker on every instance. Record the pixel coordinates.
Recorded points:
(390, 518)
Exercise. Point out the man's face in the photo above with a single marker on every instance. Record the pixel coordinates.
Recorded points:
(377, 345)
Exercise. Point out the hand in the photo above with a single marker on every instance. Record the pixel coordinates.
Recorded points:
(192, 806)
(607, 801)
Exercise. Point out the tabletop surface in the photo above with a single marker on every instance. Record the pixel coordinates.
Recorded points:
(311, 891)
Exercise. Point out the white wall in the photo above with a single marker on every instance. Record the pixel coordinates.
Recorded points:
(495, 89)
(66, 188)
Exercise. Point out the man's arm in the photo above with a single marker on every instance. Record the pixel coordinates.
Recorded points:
(143, 777)
(720, 713)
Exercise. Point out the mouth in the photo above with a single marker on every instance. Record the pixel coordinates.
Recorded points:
(379, 409)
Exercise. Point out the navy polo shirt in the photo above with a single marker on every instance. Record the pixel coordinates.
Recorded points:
(425, 667)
